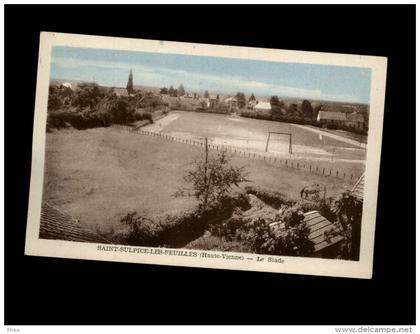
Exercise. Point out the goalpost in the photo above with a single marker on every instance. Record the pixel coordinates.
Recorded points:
(279, 133)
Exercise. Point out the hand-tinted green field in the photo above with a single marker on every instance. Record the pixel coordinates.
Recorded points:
(99, 175)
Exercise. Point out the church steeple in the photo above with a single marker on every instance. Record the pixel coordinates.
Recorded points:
(130, 87)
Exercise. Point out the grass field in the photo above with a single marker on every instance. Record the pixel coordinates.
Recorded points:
(251, 134)
(99, 175)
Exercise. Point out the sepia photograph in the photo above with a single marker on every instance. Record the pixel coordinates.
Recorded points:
(205, 156)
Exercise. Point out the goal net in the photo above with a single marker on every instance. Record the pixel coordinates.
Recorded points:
(280, 142)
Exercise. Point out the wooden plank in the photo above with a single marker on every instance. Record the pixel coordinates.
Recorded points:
(316, 220)
(320, 231)
(320, 239)
(318, 227)
(325, 244)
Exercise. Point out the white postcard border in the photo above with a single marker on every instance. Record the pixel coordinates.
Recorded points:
(295, 265)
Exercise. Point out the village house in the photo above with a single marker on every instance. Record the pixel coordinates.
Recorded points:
(210, 102)
(252, 104)
(67, 85)
(332, 117)
(231, 102)
(120, 91)
(353, 120)
(263, 107)
(213, 100)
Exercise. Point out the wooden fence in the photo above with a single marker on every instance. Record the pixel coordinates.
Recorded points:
(290, 163)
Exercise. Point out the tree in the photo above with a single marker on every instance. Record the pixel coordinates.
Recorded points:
(240, 98)
(171, 91)
(164, 90)
(181, 90)
(348, 209)
(130, 86)
(293, 109)
(252, 97)
(206, 94)
(212, 179)
(274, 101)
(306, 108)
(175, 93)
(120, 111)
(88, 95)
(54, 99)
(276, 105)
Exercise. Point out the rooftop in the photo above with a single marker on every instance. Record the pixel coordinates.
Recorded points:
(263, 105)
(332, 115)
(319, 227)
(60, 226)
(359, 187)
(354, 117)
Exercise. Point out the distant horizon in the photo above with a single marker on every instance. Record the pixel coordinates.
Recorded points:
(219, 93)
(110, 68)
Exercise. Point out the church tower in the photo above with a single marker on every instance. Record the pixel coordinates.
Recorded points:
(130, 87)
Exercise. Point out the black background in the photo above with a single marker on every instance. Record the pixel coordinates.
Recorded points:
(59, 291)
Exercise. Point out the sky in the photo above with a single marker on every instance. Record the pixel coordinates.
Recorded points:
(215, 74)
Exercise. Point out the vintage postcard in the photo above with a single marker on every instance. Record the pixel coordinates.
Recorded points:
(208, 156)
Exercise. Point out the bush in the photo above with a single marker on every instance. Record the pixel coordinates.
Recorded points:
(141, 115)
(272, 198)
(141, 230)
(88, 95)
(292, 240)
(120, 111)
(217, 244)
(297, 119)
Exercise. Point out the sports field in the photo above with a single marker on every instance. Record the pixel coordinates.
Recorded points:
(251, 134)
(99, 175)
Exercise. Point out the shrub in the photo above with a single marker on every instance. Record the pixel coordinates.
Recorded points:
(141, 115)
(299, 119)
(292, 240)
(212, 180)
(217, 243)
(88, 95)
(120, 111)
(141, 230)
(272, 198)
(228, 229)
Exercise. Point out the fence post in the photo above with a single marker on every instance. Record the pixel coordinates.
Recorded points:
(323, 170)
(337, 174)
